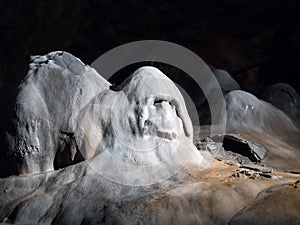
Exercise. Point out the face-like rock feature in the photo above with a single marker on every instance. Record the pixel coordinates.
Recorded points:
(141, 123)
(158, 117)
(63, 106)
(158, 105)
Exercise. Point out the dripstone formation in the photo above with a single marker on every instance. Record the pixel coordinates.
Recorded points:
(77, 150)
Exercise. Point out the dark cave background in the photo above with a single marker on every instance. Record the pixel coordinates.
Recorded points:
(256, 41)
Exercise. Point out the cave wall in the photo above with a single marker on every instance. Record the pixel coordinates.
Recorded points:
(256, 41)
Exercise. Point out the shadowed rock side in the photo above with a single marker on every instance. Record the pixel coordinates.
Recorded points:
(286, 98)
(141, 166)
(139, 127)
(64, 112)
(232, 149)
(38, 119)
(263, 123)
(226, 84)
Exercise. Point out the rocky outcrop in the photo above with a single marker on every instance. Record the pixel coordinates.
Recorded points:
(38, 119)
(65, 112)
(263, 123)
(130, 157)
(138, 127)
(220, 195)
(226, 82)
(285, 98)
(247, 112)
(232, 148)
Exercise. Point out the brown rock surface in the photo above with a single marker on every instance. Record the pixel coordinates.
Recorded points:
(221, 194)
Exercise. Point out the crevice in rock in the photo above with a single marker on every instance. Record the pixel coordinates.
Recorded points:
(240, 147)
(68, 153)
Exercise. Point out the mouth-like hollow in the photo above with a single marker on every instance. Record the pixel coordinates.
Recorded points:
(152, 129)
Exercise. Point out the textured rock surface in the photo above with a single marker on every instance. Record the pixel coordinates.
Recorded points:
(280, 197)
(263, 123)
(78, 195)
(40, 116)
(286, 98)
(246, 112)
(63, 106)
(120, 182)
(141, 123)
(282, 150)
(232, 148)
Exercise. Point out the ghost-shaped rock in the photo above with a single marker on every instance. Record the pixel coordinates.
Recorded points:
(65, 112)
(140, 129)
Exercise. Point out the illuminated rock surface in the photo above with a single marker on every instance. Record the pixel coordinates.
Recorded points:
(121, 183)
(40, 116)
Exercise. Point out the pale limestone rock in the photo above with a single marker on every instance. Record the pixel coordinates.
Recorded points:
(63, 106)
(247, 112)
(139, 127)
(40, 119)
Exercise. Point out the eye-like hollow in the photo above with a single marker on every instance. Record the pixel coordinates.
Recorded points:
(158, 101)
